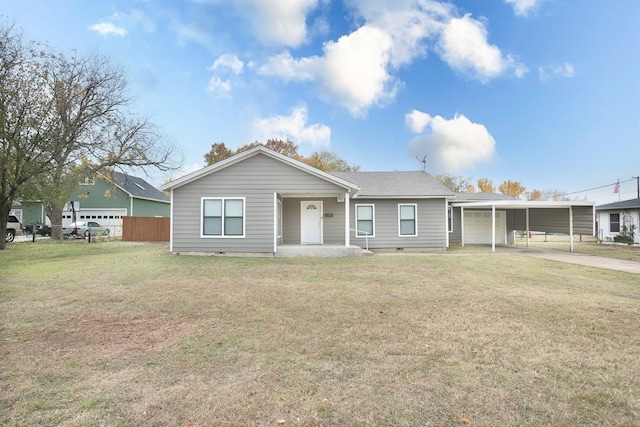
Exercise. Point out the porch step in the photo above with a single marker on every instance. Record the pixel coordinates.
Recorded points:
(366, 252)
(329, 251)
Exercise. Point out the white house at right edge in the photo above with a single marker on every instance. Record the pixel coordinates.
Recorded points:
(611, 218)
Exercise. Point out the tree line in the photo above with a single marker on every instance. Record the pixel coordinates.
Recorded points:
(515, 189)
(64, 117)
(323, 160)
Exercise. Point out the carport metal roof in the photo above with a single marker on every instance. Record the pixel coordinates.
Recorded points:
(521, 205)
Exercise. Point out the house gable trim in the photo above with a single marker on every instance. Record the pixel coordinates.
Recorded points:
(252, 152)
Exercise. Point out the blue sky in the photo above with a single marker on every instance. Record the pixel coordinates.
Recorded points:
(544, 92)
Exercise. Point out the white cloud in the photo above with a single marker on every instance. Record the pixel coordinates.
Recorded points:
(451, 145)
(108, 29)
(524, 7)
(353, 69)
(192, 33)
(279, 22)
(358, 70)
(219, 88)
(409, 24)
(228, 62)
(565, 70)
(417, 120)
(293, 127)
(464, 46)
(288, 68)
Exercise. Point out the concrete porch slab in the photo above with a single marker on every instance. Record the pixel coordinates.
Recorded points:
(329, 251)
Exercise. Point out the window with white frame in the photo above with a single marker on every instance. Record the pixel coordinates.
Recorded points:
(365, 221)
(614, 223)
(450, 218)
(223, 217)
(407, 223)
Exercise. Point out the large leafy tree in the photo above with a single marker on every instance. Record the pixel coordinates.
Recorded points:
(485, 185)
(512, 188)
(219, 151)
(323, 160)
(457, 184)
(25, 120)
(62, 117)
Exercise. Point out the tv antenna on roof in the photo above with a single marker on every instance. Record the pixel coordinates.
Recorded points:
(423, 161)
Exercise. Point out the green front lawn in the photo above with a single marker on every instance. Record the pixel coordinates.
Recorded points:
(122, 334)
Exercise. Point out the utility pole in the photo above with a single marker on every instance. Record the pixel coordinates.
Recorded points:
(637, 178)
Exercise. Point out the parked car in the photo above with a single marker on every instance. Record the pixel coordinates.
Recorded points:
(14, 228)
(82, 229)
(41, 229)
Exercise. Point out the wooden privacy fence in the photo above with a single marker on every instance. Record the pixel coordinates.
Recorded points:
(145, 229)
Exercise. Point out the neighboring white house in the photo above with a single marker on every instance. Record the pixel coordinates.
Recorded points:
(613, 216)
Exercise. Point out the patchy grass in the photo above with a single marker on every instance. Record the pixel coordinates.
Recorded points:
(585, 245)
(122, 334)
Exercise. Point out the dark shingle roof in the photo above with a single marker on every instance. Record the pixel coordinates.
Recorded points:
(138, 187)
(625, 204)
(395, 184)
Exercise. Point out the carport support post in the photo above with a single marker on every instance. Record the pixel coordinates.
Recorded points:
(347, 232)
(528, 231)
(570, 228)
(461, 226)
(493, 228)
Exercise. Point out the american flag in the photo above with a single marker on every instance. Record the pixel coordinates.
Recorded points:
(616, 187)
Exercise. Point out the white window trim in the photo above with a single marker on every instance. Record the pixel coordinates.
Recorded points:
(222, 236)
(619, 222)
(450, 219)
(415, 219)
(373, 220)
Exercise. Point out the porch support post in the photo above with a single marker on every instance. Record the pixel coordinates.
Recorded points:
(275, 223)
(570, 228)
(493, 228)
(461, 226)
(347, 235)
(446, 223)
(527, 219)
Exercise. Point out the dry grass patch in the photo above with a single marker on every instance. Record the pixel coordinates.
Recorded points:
(148, 338)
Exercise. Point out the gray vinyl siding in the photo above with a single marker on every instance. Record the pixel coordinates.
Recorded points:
(555, 220)
(456, 235)
(255, 178)
(431, 223)
(540, 219)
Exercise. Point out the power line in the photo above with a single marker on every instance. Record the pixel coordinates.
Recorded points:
(597, 188)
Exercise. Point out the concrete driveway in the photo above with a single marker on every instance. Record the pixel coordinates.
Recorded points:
(581, 259)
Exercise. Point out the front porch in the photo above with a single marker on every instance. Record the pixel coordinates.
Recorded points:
(325, 251)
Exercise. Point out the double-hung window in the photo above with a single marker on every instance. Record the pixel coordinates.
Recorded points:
(365, 217)
(407, 220)
(223, 217)
(614, 223)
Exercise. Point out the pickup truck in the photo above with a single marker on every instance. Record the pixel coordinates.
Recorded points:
(14, 228)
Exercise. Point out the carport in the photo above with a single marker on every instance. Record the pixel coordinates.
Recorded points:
(566, 217)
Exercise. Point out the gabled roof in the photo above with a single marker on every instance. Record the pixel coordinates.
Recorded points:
(625, 204)
(137, 187)
(407, 184)
(259, 149)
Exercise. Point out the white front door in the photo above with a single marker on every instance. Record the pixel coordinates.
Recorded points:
(311, 223)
